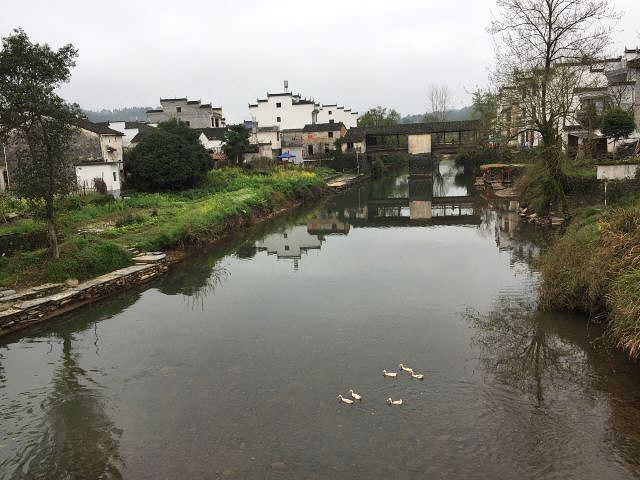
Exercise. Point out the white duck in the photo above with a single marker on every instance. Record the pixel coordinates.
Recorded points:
(394, 402)
(417, 376)
(355, 395)
(344, 400)
(389, 374)
(405, 369)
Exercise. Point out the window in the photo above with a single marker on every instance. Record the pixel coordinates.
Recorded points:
(331, 121)
(178, 109)
(278, 105)
(286, 248)
(286, 235)
(278, 119)
(330, 134)
(330, 112)
(188, 123)
(326, 149)
(115, 177)
(278, 136)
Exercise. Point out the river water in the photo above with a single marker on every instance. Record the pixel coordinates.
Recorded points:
(229, 366)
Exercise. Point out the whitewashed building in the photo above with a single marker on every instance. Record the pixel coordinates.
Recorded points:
(192, 112)
(129, 130)
(288, 111)
(212, 139)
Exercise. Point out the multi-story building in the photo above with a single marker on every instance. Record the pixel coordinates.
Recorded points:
(607, 82)
(290, 111)
(192, 112)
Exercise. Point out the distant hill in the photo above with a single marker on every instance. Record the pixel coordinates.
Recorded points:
(464, 113)
(128, 114)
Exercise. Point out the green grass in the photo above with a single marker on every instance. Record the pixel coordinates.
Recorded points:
(150, 221)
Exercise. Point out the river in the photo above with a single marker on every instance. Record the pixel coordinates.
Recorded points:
(229, 366)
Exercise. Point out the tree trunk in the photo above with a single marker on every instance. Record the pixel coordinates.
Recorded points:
(51, 226)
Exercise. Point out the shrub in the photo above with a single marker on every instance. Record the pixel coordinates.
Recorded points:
(377, 167)
(129, 219)
(100, 186)
(169, 158)
(84, 259)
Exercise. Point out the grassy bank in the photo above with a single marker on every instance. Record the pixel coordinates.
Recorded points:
(595, 268)
(96, 230)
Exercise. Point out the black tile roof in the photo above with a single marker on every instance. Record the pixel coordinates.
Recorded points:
(357, 134)
(138, 125)
(193, 102)
(274, 128)
(173, 99)
(155, 110)
(323, 127)
(212, 133)
(97, 128)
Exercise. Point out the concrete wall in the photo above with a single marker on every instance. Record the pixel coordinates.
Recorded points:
(297, 151)
(419, 144)
(269, 137)
(617, 172)
(109, 172)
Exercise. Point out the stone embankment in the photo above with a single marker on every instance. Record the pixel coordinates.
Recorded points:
(19, 310)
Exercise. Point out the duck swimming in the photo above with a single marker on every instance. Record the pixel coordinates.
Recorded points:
(355, 395)
(417, 376)
(394, 402)
(344, 400)
(405, 369)
(389, 374)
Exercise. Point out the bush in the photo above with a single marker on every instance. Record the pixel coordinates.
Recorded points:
(377, 168)
(84, 259)
(100, 186)
(169, 158)
(129, 219)
(471, 158)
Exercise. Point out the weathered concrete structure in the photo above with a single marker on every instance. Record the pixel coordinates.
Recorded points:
(617, 171)
(192, 112)
(321, 137)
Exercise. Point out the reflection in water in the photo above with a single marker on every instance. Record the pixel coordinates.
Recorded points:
(245, 386)
(72, 437)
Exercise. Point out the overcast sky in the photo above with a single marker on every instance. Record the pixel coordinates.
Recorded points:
(357, 53)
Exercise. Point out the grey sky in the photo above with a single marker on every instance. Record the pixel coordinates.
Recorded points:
(356, 53)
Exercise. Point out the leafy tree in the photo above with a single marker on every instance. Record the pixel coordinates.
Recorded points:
(235, 142)
(169, 158)
(590, 119)
(378, 117)
(37, 122)
(485, 108)
(617, 123)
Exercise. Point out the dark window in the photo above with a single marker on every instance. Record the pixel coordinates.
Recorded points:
(286, 235)
(278, 119)
(213, 122)
(115, 177)
(188, 123)
(178, 109)
(286, 248)
(330, 134)
(330, 112)
(331, 121)
(278, 136)
(278, 105)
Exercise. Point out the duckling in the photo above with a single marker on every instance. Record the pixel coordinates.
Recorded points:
(389, 374)
(394, 402)
(417, 376)
(344, 400)
(355, 395)
(405, 369)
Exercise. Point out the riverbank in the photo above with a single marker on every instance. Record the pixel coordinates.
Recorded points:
(100, 235)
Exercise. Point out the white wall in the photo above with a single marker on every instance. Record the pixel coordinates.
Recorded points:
(269, 137)
(292, 115)
(212, 145)
(620, 171)
(109, 172)
(297, 151)
(337, 114)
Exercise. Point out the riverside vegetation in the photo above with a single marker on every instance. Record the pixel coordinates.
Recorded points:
(96, 230)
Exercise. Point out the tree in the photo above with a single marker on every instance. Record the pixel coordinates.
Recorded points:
(617, 123)
(590, 120)
(171, 157)
(235, 142)
(378, 117)
(38, 122)
(485, 108)
(439, 99)
(541, 45)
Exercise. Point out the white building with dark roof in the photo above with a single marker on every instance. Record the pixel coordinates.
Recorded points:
(192, 112)
(290, 111)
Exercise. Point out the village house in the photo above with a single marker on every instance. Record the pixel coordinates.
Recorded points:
(96, 151)
(287, 111)
(607, 82)
(129, 130)
(320, 138)
(212, 139)
(192, 112)
(292, 145)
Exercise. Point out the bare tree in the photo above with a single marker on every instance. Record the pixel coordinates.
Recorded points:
(439, 99)
(545, 48)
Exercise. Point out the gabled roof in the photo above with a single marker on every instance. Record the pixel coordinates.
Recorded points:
(323, 127)
(138, 125)
(212, 133)
(173, 99)
(98, 128)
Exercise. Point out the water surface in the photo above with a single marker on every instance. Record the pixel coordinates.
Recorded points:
(229, 366)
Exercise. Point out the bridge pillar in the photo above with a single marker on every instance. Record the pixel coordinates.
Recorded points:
(419, 144)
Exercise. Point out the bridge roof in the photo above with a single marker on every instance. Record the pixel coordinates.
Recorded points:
(358, 134)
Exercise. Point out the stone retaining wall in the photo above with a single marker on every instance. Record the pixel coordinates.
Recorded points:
(19, 314)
